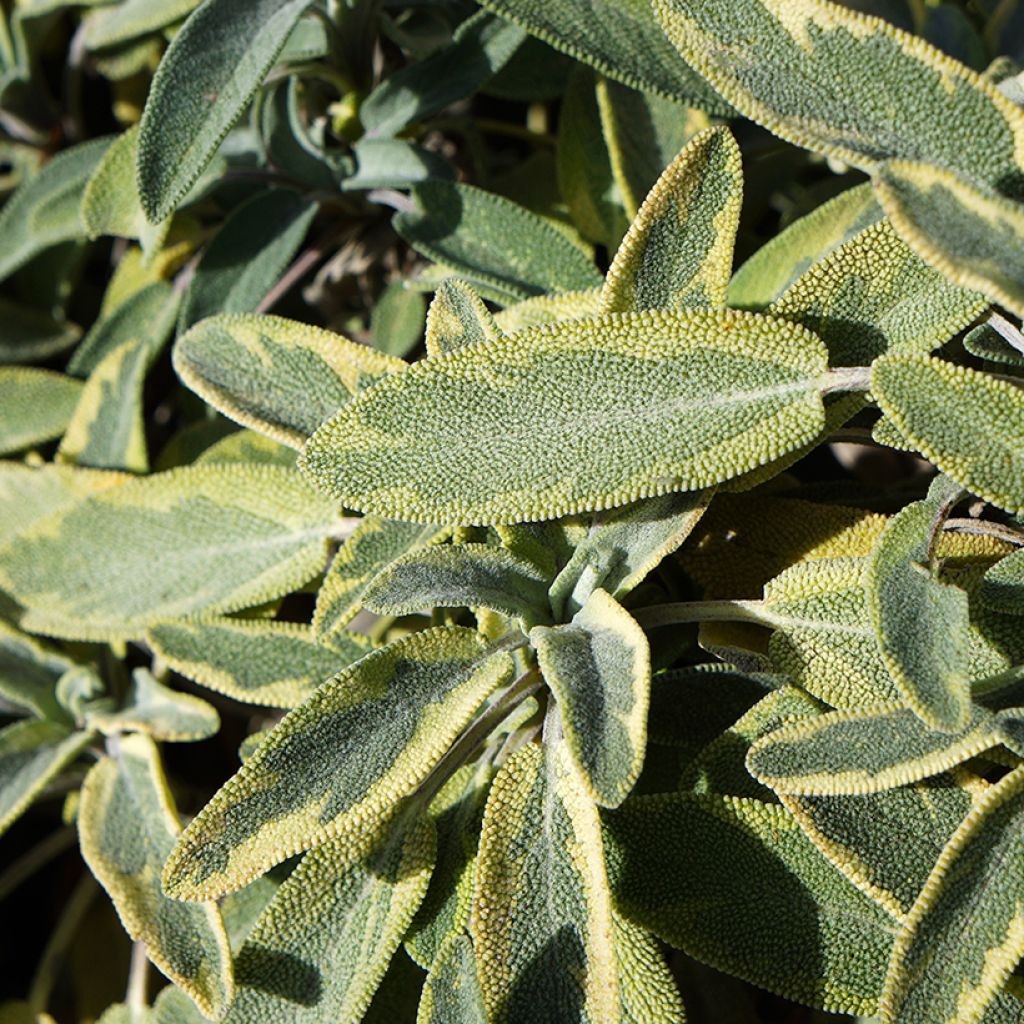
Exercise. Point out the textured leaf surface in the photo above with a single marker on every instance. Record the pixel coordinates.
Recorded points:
(647, 988)
(1003, 587)
(397, 320)
(847, 752)
(747, 892)
(965, 934)
(277, 664)
(196, 540)
(29, 672)
(678, 252)
(458, 317)
(599, 669)
(968, 423)
(133, 18)
(493, 240)
(127, 826)
(276, 376)
(204, 82)
(35, 406)
(451, 993)
(542, 915)
(575, 417)
(337, 765)
(545, 309)
(322, 946)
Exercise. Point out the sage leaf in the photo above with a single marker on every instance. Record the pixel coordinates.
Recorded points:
(548, 422)
(1003, 588)
(30, 335)
(29, 673)
(452, 992)
(336, 766)
(127, 824)
(647, 988)
(546, 309)
(111, 26)
(35, 406)
(397, 320)
(458, 317)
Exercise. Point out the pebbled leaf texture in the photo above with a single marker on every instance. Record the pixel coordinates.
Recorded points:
(35, 406)
(451, 993)
(574, 417)
(458, 317)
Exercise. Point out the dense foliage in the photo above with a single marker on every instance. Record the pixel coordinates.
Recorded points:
(588, 507)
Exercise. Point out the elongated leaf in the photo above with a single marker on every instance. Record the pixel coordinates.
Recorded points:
(460, 575)
(599, 669)
(248, 255)
(29, 673)
(130, 19)
(969, 424)
(542, 914)
(127, 824)
(322, 946)
(35, 406)
(857, 752)
(32, 754)
(337, 765)
(458, 317)
(204, 82)
(647, 989)
(965, 933)
(874, 295)
(574, 417)
(29, 335)
(966, 230)
(747, 892)
(546, 309)
(398, 320)
(44, 211)
(193, 541)
(277, 376)
(451, 993)
(919, 621)
(276, 664)
(678, 252)
(371, 547)
(494, 241)
(621, 39)
(807, 241)
(848, 85)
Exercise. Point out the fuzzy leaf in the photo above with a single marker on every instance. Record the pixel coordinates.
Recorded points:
(678, 252)
(647, 988)
(127, 824)
(965, 933)
(599, 669)
(276, 664)
(277, 376)
(205, 81)
(35, 406)
(1003, 587)
(337, 765)
(451, 993)
(457, 576)
(546, 309)
(397, 320)
(29, 335)
(371, 547)
(33, 753)
(322, 946)
(542, 914)
(458, 317)
(489, 239)
(967, 423)
(747, 892)
(193, 541)
(858, 752)
(574, 417)
(29, 673)
(111, 26)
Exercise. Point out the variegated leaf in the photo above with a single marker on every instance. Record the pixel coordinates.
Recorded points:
(35, 406)
(451, 993)
(458, 317)
(547, 309)
(29, 673)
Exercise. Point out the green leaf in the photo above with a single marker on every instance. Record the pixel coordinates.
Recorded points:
(458, 317)
(205, 81)
(647, 988)
(159, 711)
(620, 38)
(393, 163)
(276, 664)
(35, 406)
(873, 295)
(130, 19)
(858, 752)
(247, 255)
(29, 335)
(110, 202)
(371, 547)
(965, 933)
(492, 240)
(623, 545)
(546, 309)
(451, 993)
(986, 342)
(397, 320)
(779, 263)
(191, 542)
(44, 211)
(29, 673)
(678, 252)
(322, 946)
(920, 622)
(966, 230)
(542, 912)
(277, 376)
(848, 85)
(245, 446)
(1003, 587)
(460, 576)
(127, 824)
(599, 669)
(337, 765)
(967, 423)
(736, 884)
(574, 417)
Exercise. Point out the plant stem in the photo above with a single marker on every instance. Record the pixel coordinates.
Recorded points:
(138, 971)
(846, 378)
(985, 528)
(705, 611)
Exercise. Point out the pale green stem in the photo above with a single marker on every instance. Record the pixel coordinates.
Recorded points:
(138, 971)
(683, 612)
(984, 528)
(845, 378)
